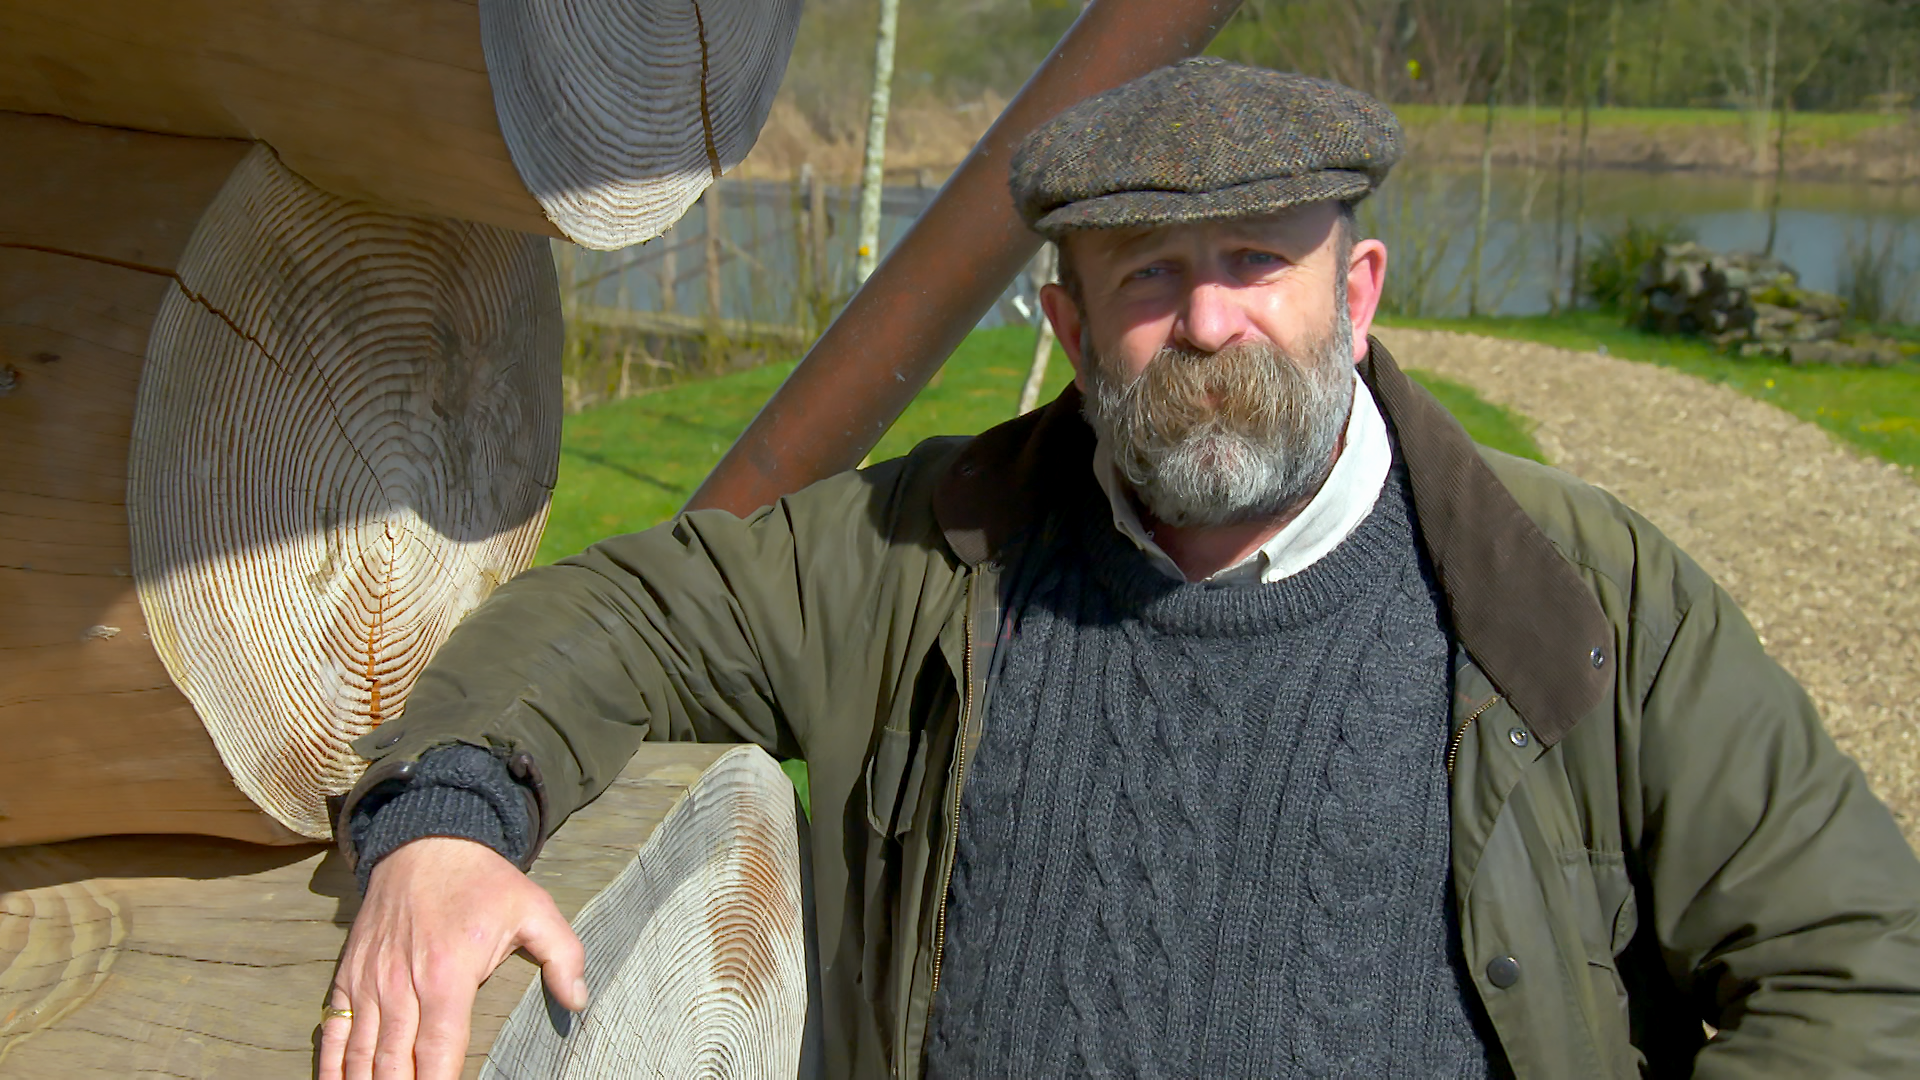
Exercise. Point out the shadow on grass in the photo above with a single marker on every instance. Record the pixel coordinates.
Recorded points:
(624, 470)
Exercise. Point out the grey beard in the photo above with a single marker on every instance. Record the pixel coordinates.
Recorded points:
(1230, 437)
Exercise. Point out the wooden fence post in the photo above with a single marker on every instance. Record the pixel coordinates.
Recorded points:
(715, 337)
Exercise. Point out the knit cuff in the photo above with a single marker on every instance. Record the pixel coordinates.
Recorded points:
(457, 791)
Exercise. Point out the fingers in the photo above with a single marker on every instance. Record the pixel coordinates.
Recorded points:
(333, 1039)
(363, 1039)
(446, 1020)
(440, 914)
(399, 1019)
(556, 948)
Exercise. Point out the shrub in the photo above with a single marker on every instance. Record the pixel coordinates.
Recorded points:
(1609, 276)
(1874, 284)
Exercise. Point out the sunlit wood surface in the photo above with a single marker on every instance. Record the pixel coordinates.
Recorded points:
(262, 447)
(207, 958)
(599, 120)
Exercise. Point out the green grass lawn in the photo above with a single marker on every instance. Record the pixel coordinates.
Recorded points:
(1876, 409)
(1489, 424)
(633, 463)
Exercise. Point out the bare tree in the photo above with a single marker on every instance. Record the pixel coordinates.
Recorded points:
(873, 167)
(1580, 182)
(1659, 50)
(1560, 165)
(1494, 95)
(1779, 173)
(1043, 269)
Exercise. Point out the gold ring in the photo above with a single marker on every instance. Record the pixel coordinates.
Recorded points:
(328, 1012)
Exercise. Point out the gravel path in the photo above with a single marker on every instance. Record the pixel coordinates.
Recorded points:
(1819, 543)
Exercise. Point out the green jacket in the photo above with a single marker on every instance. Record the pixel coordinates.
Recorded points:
(1650, 827)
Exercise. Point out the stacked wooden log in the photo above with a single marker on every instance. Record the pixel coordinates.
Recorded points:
(597, 120)
(279, 404)
(1751, 303)
(280, 354)
(1688, 289)
(266, 446)
(206, 958)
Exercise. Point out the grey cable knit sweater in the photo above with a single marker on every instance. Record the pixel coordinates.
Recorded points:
(1206, 834)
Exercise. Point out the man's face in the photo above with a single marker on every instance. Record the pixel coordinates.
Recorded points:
(1217, 358)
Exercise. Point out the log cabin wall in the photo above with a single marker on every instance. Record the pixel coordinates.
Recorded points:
(288, 252)
(93, 222)
(199, 957)
(596, 120)
(289, 441)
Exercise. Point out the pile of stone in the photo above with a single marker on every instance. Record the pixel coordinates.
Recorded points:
(1752, 303)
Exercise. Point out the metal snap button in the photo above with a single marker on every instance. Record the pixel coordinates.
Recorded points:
(1599, 658)
(1503, 972)
(1518, 736)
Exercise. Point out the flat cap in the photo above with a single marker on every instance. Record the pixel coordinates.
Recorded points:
(1202, 140)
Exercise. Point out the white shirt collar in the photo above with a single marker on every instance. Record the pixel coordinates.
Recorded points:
(1334, 512)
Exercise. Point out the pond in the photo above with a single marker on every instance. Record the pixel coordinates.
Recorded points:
(780, 257)
(1427, 218)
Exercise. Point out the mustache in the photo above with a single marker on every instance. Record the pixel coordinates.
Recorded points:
(1251, 390)
(1214, 438)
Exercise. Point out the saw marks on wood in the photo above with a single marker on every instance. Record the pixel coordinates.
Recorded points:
(620, 113)
(197, 957)
(345, 437)
(696, 953)
(597, 120)
(57, 945)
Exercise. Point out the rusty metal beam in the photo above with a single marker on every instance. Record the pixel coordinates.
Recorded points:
(946, 271)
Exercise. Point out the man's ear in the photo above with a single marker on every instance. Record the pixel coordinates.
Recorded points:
(1366, 278)
(1068, 324)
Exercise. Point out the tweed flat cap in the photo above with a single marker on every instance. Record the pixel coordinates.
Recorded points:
(1201, 140)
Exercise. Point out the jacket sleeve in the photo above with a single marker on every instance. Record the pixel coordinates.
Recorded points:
(707, 628)
(1785, 900)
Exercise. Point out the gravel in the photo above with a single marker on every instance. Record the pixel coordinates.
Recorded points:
(1818, 542)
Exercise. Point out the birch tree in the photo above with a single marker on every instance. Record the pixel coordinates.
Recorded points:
(873, 166)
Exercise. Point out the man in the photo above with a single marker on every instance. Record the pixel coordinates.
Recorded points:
(1231, 716)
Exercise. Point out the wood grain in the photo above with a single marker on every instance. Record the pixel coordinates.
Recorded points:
(205, 958)
(99, 740)
(345, 438)
(620, 113)
(696, 954)
(605, 113)
(350, 429)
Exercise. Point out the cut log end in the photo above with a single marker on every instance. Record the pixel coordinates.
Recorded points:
(696, 953)
(688, 868)
(619, 114)
(345, 436)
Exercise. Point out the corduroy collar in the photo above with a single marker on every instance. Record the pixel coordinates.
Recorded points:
(1520, 609)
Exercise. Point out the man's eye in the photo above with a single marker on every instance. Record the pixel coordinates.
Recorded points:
(1264, 258)
(1147, 272)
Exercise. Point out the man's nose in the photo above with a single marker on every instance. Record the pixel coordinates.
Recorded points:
(1213, 318)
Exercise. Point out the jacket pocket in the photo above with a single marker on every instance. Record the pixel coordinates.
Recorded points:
(895, 775)
(1603, 893)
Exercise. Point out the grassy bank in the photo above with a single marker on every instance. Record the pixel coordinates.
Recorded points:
(1875, 409)
(631, 464)
(931, 138)
(1816, 128)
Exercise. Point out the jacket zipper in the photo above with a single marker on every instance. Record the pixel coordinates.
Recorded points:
(1460, 736)
(959, 779)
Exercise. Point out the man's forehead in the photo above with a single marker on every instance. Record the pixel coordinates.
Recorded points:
(1299, 224)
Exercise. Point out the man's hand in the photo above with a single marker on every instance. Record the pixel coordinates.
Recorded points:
(439, 916)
